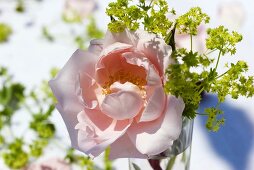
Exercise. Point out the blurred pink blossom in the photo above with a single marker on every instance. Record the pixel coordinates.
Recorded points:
(232, 14)
(198, 41)
(50, 164)
(77, 10)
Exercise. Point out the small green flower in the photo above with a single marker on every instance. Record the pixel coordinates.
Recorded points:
(14, 156)
(36, 148)
(5, 32)
(221, 39)
(189, 22)
(45, 130)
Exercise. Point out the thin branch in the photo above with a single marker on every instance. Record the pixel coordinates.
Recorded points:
(202, 114)
(210, 52)
(222, 74)
(217, 63)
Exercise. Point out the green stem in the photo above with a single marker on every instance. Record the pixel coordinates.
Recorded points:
(184, 157)
(202, 114)
(129, 163)
(58, 144)
(107, 162)
(191, 42)
(210, 52)
(201, 90)
(171, 163)
(222, 75)
(217, 63)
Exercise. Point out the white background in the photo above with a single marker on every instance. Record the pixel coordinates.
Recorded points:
(29, 57)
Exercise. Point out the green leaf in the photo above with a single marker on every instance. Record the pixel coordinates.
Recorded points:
(170, 39)
(135, 166)
(213, 122)
(47, 34)
(107, 162)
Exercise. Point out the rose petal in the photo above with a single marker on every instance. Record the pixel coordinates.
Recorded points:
(114, 62)
(110, 62)
(150, 44)
(88, 88)
(94, 136)
(127, 86)
(161, 131)
(127, 37)
(124, 148)
(98, 121)
(70, 120)
(157, 51)
(138, 59)
(114, 48)
(66, 85)
(155, 105)
(122, 105)
(66, 89)
(96, 46)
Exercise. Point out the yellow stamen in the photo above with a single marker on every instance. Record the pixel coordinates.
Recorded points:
(124, 77)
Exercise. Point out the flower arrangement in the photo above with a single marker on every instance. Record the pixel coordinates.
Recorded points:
(133, 88)
(28, 131)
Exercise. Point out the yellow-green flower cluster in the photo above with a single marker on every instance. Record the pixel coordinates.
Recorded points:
(153, 16)
(190, 85)
(5, 32)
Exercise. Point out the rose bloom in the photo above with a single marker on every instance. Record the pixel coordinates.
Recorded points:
(50, 164)
(112, 95)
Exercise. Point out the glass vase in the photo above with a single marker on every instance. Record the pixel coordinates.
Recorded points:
(177, 157)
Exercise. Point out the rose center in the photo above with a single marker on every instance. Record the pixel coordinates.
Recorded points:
(123, 76)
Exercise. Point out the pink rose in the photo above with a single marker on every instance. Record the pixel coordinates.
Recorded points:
(50, 164)
(112, 95)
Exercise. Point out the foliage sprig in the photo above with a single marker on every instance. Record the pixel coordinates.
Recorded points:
(189, 84)
(152, 16)
(189, 22)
